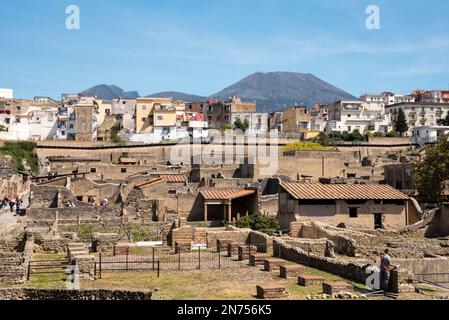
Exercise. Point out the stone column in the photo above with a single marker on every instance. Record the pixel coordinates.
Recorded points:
(205, 212)
(229, 212)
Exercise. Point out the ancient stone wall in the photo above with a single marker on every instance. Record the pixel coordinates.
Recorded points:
(354, 271)
(55, 294)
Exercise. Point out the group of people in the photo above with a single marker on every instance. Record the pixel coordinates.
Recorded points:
(14, 205)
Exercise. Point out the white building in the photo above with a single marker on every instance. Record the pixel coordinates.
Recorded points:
(364, 116)
(419, 114)
(258, 121)
(193, 129)
(435, 96)
(6, 93)
(393, 98)
(126, 108)
(428, 134)
(39, 123)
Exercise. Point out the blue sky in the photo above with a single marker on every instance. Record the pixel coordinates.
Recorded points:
(202, 46)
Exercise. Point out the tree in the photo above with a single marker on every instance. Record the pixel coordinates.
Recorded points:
(432, 171)
(242, 125)
(323, 139)
(444, 122)
(401, 123)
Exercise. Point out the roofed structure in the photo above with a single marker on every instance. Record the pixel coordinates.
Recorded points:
(318, 191)
(224, 193)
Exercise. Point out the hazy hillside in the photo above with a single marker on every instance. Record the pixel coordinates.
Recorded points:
(272, 91)
(275, 90)
(109, 92)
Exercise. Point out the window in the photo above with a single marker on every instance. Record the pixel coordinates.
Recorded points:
(353, 212)
(93, 170)
(123, 170)
(71, 126)
(160, 118)
(7, 120)
(144, 107)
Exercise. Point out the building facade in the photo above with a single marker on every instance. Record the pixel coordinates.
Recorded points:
(369, 206)
(296, 119)
(6, 93)
(363, 116)
(258, 122)
(418, 114)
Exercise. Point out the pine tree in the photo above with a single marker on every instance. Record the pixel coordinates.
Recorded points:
(401, 123)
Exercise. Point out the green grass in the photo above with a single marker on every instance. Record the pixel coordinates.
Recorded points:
(21, 151)
(223, 284)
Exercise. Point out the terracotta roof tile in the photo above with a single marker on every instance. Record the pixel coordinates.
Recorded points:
(317, 191)
(224, 193)
(148, 183)
(174, 178)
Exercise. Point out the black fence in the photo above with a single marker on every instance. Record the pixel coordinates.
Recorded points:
(181, 257)
(48, 266)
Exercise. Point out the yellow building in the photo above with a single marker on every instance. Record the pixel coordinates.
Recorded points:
(237, 106)
(296, 119)
(164, 116)
(144, 112)
(104, 109)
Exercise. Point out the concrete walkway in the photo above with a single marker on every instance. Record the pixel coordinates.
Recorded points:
(8, 219)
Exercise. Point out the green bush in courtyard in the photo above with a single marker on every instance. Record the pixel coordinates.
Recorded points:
(259, 222)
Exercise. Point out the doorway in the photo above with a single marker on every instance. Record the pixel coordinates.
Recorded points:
(378, 221)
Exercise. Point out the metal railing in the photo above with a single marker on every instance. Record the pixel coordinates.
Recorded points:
(48, 266)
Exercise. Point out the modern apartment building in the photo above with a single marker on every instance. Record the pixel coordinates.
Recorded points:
(276, 121)
(296, 119)
(165, 122)
(258, 121)
(435, 96)
(6, 93)
(86, 119)
(144, 112)
(127, 109)
(419, 113)
(364, 116)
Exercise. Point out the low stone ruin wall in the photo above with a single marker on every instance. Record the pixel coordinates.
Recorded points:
(425, 266)
(349, 270)
(9, 245)
(53, 294)
(262, 241)
(104, 242)
(315, 246)
(13, 264)
(233, 234)
(46, 216)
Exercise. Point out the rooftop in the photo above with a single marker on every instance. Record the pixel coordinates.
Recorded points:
(318, 191)
(225, 193)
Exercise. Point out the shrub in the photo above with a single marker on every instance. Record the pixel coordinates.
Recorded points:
(21, 151)
(304, 146)
(259, 222)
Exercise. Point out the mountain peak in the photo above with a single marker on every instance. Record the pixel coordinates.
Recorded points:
(272, 91)
(177, 96)
(275, 90)
(109, 92)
